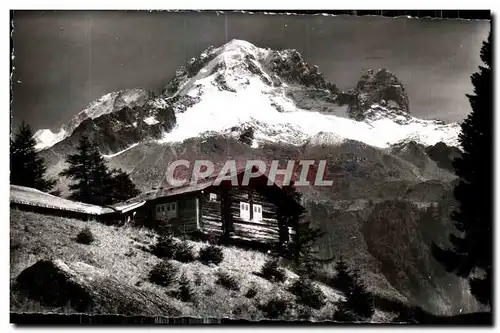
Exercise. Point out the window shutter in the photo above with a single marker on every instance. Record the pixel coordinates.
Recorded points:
(257, 212)
(244, 210)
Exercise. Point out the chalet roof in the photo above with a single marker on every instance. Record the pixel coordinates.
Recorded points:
(124, 207)
(33, 197)
(183, 189)
(175, 190)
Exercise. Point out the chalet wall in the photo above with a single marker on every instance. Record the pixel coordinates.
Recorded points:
(186, 214)
(211, 221)
(266, 230)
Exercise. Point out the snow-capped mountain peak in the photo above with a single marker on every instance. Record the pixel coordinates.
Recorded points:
(106, 104)
(275, 93)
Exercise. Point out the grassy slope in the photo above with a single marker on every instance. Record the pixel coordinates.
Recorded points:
(117, 253)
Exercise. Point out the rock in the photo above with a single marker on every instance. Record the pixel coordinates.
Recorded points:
(88, 289)
(290, 65)
(377, 87)
(443, 155)
(53, 283)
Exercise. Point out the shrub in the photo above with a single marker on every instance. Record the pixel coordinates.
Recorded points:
(185, 292)
(343, 314)
(307, 293)
(275, 308)
(15, 244)
(130, 253)
(165, 247)
(198, 279)
(272, 272)
(211, 254)
(309, 266)
(227, 281)
(209, 292)
(163, 274)
(251, 292)
(304, 312)
(184, 252)
(85, 236)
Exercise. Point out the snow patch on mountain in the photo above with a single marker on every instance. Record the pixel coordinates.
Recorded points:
(46, 138)
(151, 120)
(121, 151)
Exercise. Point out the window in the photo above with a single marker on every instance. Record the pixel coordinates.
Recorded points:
(168, 210)
(245, 210)
(257, 212)
(213, 196)
(171, 209)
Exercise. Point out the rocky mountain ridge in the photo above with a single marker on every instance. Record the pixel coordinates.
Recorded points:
(278, 94)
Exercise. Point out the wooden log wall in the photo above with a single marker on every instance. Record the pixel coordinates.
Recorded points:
(211, 212)
(186, 214)
(266, 230)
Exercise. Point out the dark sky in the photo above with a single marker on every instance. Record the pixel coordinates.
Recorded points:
(64, 60)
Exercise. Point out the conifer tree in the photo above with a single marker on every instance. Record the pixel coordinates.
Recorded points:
(185, 292)
(342, 280)
(94, 183)
(81, 170)
(26, 167)
(470, 255)
(122, 187)
(304, 248)
(360, 301)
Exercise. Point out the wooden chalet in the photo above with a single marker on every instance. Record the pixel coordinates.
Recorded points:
(256, 212)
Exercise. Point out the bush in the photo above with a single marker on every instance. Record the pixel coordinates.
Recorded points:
(343, 314)
(304, 312)
(275, 308)
(184, 252)
(85, 236)
(309, 266)
(227, 281)
(185, 292)
(163, 274)
(209, 292)
(307, 293)
(272, 272)
(198, 279)
(211, 254)
(251, 292)
(165, 247)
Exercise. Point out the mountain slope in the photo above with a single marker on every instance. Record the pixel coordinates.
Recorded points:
(121, 255)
